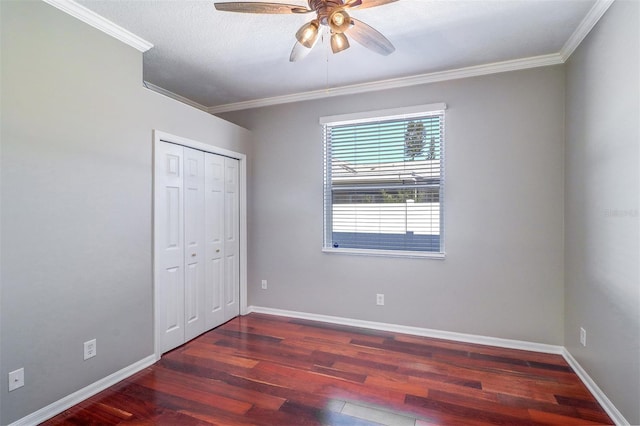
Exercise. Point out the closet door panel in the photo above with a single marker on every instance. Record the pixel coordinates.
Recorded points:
(231, 239)
(172, 290)
(191, 305)
(169, 208)
(194, 243)
(214, 240)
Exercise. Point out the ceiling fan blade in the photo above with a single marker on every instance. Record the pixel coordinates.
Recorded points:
(260, 7)
(352, 3)
(299, 52)
(370, 38)
(373, 3)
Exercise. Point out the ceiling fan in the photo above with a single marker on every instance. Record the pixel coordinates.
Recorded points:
(333, 14)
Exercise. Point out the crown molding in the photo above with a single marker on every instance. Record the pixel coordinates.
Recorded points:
(90, 17)
(474, 71)
(587, 24)
(593, 16)
(174, 96)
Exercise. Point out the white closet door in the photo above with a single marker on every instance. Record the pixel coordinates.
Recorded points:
(214, 240)
(196, 205)
(231, 240)
(169, 206)
(194, 265)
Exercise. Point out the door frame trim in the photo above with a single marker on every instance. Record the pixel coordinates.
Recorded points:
(158, 137)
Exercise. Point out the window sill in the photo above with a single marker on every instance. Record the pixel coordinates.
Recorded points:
(386, 253)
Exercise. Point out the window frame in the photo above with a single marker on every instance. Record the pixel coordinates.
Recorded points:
(404, 113)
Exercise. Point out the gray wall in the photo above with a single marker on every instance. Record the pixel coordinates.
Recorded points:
(503, 274)
(76, 201)
(602, 185)
(75, 188)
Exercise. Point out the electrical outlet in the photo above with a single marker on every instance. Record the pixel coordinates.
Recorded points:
(90, 349)
(583, 337)
(264, 284)
(380, 299)
(16, 379)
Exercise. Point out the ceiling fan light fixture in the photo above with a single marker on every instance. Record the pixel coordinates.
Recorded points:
(307, 35)
(329, 13)
(339, 21)
(339, 42)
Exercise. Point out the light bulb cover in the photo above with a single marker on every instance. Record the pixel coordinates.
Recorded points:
(339, 21)
(307, 35)
(339, 42)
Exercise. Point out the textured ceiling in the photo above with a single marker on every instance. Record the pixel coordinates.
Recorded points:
(216, 58)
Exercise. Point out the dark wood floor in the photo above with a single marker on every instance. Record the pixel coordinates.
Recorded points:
(268, 370)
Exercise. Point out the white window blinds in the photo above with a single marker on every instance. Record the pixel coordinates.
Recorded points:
(384, 183)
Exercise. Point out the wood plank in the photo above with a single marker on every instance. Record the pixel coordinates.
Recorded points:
(219, 387)
(207, 352)
(558, 419)
(179, 386)
(466, 413)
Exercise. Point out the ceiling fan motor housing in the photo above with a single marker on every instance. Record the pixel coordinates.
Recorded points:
(326, 8)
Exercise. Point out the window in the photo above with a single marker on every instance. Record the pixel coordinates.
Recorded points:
(384, 181)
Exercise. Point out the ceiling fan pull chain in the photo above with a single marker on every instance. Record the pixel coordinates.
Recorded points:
(327, 60)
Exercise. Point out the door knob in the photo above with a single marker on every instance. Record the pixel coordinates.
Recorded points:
(193, 255)
(218, 251)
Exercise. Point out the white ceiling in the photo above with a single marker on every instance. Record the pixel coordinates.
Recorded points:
(218, 59)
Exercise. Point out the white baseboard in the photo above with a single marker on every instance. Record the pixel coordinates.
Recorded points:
(416, 331)
(600, 396)
(87, 392)
(607, 405)
(84, 393)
